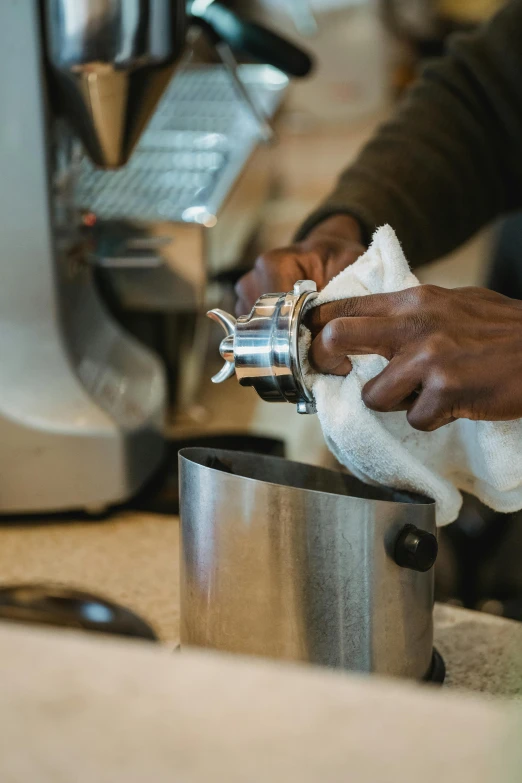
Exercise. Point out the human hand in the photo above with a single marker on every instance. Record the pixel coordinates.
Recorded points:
(453, 353)
(330, 247)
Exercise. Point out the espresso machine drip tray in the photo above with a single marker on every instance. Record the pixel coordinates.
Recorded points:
(196, 145)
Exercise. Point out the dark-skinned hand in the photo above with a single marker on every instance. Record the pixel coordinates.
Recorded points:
(453, 353)
(330, 247)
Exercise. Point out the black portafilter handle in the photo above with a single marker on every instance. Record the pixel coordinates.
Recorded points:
(253, 40)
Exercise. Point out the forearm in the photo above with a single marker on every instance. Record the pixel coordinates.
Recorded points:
(450, 160)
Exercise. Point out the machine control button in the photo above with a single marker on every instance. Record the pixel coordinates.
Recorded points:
(416, 549)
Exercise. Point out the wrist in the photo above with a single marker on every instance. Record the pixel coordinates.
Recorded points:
(339, 226)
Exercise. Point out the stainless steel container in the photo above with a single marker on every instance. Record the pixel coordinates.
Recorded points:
(290, 561)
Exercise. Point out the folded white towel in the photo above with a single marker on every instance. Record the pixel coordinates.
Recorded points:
(479, 457)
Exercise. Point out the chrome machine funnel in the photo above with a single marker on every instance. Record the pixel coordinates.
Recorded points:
(110, 61)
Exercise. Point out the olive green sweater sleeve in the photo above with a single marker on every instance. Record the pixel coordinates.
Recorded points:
(450, 159)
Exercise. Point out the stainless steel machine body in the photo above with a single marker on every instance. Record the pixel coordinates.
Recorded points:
(286, 560)
(81, 402)
(262, 348)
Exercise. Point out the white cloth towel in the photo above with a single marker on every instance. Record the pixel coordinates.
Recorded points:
(480, 457)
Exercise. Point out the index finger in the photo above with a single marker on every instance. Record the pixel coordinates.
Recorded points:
(353, 336)
(373, 305)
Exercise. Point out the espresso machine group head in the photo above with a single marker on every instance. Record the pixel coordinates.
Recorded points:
(110, 61)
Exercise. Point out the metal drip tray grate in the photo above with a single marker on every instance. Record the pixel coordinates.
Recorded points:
(196, 145)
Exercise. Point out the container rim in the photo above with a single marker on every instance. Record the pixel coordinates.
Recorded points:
(239, 465)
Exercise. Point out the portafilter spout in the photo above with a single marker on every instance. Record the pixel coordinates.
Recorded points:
(226, 348)
(109, 62)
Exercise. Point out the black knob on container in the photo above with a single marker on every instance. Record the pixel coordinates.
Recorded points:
(416, 549)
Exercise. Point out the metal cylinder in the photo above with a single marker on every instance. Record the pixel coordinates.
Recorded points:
(263, 349)
(285, 560)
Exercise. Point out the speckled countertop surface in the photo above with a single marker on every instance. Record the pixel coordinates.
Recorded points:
(131, 559)
(134, 559)
(482, 652)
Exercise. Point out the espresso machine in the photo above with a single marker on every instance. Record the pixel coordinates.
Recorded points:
(82, 402)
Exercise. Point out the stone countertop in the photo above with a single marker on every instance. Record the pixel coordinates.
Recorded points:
(84, 708)
(482, 652)
(133, 559)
